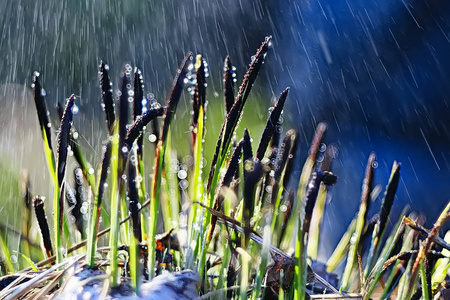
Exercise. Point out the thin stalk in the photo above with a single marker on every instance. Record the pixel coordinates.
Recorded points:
(360, 223)
(301, 266)
(426, 286)
(115, 209)
(133, 205)
(304, 179)
(95, 215)
(62, 150)
(172, 103)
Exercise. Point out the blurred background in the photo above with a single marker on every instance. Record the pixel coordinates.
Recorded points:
(377, 72)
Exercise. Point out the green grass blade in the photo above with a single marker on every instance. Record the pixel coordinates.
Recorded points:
(115, 209)
(304, 179)
(360, 223)
(172, 103)
(97, 207)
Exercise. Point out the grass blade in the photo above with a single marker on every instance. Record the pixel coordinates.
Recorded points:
(138, 108)
(43, 224)
(360, 223)
(384, 213)
(106, 90)
(229, 80)
(199, 97)
(133, 205)
(301, 267)
(304, 179)
(271, 125)
(97, 207)
(172, 102)
(319, 209)
(62, 151)
(42, 111)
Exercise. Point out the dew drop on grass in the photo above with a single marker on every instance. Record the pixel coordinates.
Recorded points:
(353, 239)
(152, 138)
(182, 174)
(375, 164)
(91, 171)
(71, 219)
(184, 184)
(75, 109)
(13, 259)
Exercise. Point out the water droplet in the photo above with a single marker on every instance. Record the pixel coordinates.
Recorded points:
(75, 109)
(182, 174)
(152, 138)
(322, 147)
(184, 184)
(13, 259)
(91, 171)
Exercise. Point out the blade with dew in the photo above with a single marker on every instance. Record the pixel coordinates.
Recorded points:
(125, 98)
(64, 138)
(229, 79)
(384, 213)
(284, 164)
(138, 108)
(271, 125)
(172, 102)
(319, 209)
(304, 179)
(97, 206)
(86, 168)
(133, 206)
(199, 96)
(62, 152)
(106, 90)
(360, 222)
(136, 129)
(301, 267)
(41, 109)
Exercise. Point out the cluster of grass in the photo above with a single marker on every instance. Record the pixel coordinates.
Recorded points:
(241, 227)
